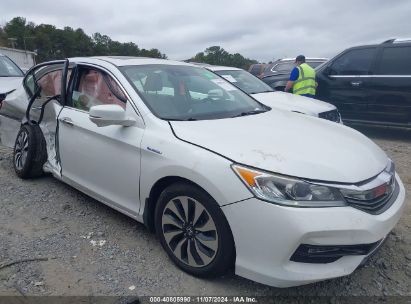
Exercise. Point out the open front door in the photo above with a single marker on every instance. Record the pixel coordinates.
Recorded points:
(46, 86)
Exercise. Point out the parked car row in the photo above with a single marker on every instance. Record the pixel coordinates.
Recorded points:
(276, 99)
(225, 181)
(368, 84)
(277, 73)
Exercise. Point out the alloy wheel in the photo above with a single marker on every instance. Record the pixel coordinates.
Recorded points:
(190, 231)
(21, 150)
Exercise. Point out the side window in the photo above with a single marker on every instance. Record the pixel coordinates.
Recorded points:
(94, 88)
(283, 67)
(47, 79)
(355, 62)
(30, 84)
(50, 83)
(395, 61)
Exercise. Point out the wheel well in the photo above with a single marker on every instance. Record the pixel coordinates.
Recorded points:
(159, 186)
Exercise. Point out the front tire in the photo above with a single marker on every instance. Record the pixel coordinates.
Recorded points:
(194, 231)
(29, 152)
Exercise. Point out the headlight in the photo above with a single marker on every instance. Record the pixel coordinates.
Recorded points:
(288, 191)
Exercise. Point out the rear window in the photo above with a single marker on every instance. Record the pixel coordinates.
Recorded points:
(284, 67)
(395, 61)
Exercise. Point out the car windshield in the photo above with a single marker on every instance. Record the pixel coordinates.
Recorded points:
(245, 81)
(8, 68)
(175, 92)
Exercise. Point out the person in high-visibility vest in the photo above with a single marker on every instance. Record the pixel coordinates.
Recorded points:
(302, 79)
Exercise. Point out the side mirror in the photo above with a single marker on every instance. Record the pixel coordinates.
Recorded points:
(109, 115)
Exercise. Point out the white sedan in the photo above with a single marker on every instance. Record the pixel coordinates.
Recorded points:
(226, 182)
(11, 76)
(276, 99)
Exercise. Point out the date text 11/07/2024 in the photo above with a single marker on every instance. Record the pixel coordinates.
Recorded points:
(203, 299)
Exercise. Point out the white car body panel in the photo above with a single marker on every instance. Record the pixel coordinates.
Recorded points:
(120, 165)
(164, 155)
(287, 143)
(105, 160)
(8, 84)
(294, 103)
(15, 104)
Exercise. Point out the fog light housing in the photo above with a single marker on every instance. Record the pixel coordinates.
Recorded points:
(323, 254)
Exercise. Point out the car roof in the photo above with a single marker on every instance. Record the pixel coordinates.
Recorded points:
(128, 60)
(399, 42)
(221, 68)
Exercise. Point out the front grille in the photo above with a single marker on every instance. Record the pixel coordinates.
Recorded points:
(332, 115)
(376, 205)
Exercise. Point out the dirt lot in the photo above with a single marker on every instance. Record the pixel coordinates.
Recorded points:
(94, 250)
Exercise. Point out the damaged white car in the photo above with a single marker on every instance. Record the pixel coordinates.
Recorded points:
(225, 181)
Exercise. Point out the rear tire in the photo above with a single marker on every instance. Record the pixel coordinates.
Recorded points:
(194, 231)
(30, 152)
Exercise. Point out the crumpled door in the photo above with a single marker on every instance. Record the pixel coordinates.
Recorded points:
(39, 100)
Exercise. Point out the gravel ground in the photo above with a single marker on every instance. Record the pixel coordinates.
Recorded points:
(90, 249)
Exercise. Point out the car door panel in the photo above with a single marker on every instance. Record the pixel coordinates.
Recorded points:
(391, 88)
(105, 160)
(349, 94)
(345, 82)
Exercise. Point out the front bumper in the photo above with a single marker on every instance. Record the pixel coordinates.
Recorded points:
(266, 236)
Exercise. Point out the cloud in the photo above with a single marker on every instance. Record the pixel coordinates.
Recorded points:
(261, 29)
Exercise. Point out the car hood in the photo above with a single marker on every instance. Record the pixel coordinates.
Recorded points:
(294, 103)
(289, 143)
(8, 84)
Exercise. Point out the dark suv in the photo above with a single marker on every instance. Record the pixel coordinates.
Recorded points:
(277, 73)
(370, 84)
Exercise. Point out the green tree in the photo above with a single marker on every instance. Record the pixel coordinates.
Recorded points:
(53, 43)
(216, 55)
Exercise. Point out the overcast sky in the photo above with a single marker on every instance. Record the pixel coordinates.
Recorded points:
(258, 29)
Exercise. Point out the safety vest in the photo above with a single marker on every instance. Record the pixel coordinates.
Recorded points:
(305, 84)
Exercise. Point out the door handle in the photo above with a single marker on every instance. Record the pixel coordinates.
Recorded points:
(356, 83)
(67, 121)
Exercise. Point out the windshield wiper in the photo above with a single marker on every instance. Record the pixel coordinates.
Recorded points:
(180, 119)
(253, 112)
(266, 91)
